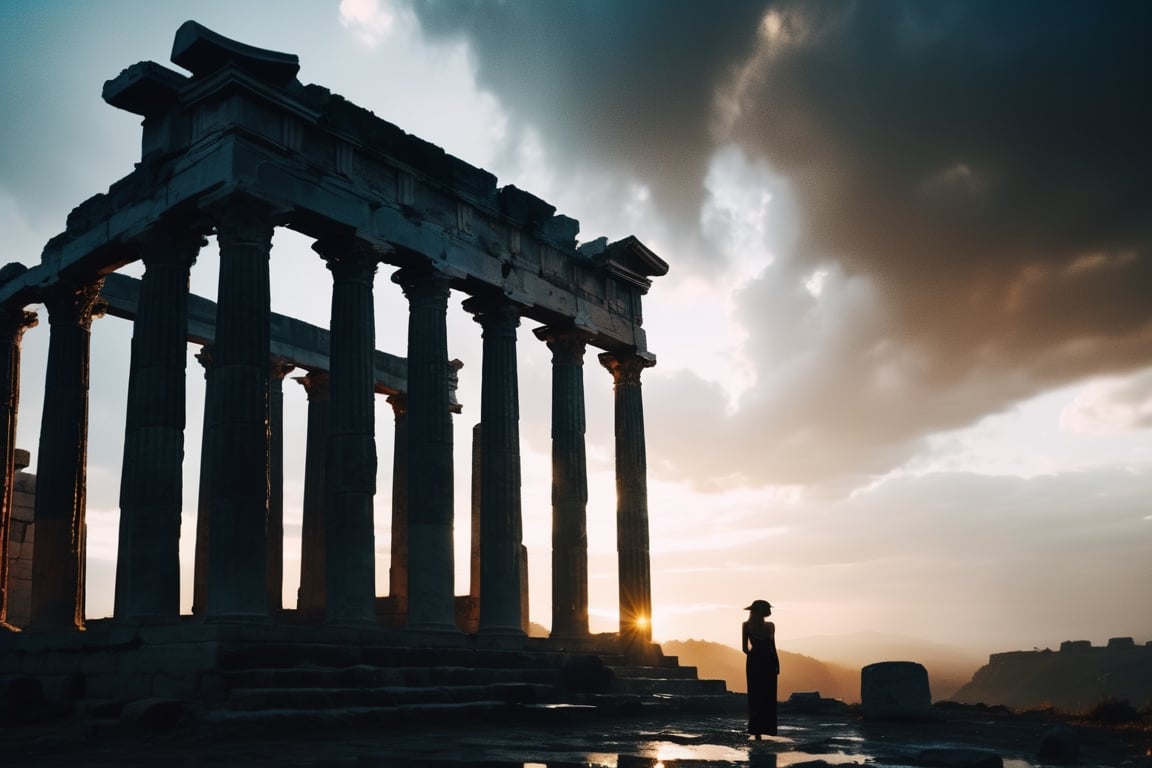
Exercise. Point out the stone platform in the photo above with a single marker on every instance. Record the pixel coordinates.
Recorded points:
(277, 675)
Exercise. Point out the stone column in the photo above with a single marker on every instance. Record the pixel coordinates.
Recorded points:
(569, 484)
(238, 412)
(152, 476)
(631, 498)
(58, 557)
(313, 572)
(278, 370)
(431, 601)
(477, 500)
(351, 472)
(204, 494)
(501, 525)
(398, 571)
(14, 320)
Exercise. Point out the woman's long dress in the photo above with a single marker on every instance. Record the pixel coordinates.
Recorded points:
(761, 668)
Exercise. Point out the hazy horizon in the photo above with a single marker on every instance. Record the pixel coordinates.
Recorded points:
(904, 379)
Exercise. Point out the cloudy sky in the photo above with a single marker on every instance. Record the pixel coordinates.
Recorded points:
(905, 345)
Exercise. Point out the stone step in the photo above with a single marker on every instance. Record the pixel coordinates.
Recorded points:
(281, 699)
(282, 655)
(367, 718)
(676, 686)
(363, 675)
(659, 673)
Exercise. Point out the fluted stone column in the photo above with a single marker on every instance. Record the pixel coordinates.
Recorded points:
(58, 557)
(239, 406)
(351, 473)
(569, 484)
(152, 477)
(631, 498)
(204, 493)
(398, 571)
(279, 369)
(501, 525)
(312, 595)
(431, 602)
(14, 320)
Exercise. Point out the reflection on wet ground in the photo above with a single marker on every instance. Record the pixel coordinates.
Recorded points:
(700, 741)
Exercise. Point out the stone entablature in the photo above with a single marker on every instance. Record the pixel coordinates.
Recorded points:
(328, 166)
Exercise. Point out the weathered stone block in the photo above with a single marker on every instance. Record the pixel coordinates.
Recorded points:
(895, 690)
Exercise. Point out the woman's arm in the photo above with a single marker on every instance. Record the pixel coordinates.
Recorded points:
(744, 637)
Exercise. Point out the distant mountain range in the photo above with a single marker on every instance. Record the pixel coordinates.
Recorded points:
(831, 664)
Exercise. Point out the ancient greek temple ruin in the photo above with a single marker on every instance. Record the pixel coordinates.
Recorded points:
(235, 146)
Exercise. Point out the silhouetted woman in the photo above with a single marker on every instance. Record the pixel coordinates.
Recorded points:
(762, 666)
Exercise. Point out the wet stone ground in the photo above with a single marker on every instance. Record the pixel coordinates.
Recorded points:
(805, 741)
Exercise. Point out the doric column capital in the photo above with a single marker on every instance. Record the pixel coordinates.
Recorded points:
(625, 368)
(280, 367)
(399, 403)
(75, 304)
(242, 219)
(252, 231)
(204, 357)
(170, 246)
(422, 284)
(348, 258)
(14, 320)
(567, 344)
(315, 383)
(495, 314)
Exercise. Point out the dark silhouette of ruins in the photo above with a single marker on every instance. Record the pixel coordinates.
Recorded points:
(1076, 677)
(237, 148)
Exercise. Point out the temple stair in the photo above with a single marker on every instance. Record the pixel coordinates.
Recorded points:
(289, 685)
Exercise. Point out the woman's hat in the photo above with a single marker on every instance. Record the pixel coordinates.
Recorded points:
(759, 605)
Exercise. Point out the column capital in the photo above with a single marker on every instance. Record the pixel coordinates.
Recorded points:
(242, 218)
(204, 357)
(280, 367)
(71, 303)
(348, 258)
(423, 283)
(399, 403)
(568, 344)
(315, 383)
(14, 320)
(495, 314)
(625, 368)
(170, 245)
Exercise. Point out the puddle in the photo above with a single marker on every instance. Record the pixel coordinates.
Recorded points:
(785, 759)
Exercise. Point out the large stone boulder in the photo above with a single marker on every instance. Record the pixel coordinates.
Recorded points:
(895, 690)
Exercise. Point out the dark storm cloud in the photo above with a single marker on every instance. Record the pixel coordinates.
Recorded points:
(985, 163)
(972, 176)
(628, 86)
